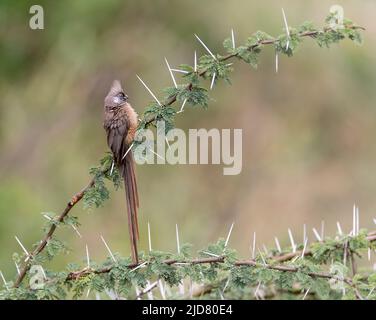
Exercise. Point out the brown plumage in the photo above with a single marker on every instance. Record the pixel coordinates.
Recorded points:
(120, 123)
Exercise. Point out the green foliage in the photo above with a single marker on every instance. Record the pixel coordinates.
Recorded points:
(55, 247)
(322, 273)
(250, 56)
(98, 193)
(218, 67)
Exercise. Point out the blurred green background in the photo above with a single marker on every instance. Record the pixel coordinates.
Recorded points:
(308, 131)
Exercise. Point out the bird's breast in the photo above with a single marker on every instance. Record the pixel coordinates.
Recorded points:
(132, 121)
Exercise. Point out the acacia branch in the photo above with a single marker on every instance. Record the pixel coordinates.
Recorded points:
(75, 199)
(251, 263)
(75, 275)
(310, 34)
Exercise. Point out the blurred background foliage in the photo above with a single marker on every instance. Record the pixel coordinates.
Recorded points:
(308, 131)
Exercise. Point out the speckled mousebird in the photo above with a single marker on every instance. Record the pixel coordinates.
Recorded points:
(120, 123)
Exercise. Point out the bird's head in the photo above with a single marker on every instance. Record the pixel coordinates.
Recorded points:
(116, 96)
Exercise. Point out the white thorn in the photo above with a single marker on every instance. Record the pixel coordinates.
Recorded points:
(277, 244)
(149, 288)
(293, 245)
(172, 75)
(287, 29)
(76, 230)
(257, 289)
(87, 257)
(204, 45)
(129, 149)
(226, 284)
(147, 88)
(357, 221)
(112, 167)
(369, 254)
(371, 291)
(254, 246)
(262, 257)
(304, 232)
(149, 237)
(265, 249)
(317, 235)
(18, 268)
(295, 258)
(44, 274)
(179, 70)
(354, 221)
(276, 62)
(182, 106)
(211, 254)
(47, 217)
(228, 235)
(304, 248)
(88, 292)
(195, 62)
(139, 266)
(322, 229)
(340, 232)
(161, 289)
(233, 38)
(152, 151)
(23, 248)
(108, 249)
(305, 295)
(177, 238)
(212, 81)
(5, 282)
(168, 143)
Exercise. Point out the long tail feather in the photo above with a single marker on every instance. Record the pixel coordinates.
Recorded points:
(131, 195)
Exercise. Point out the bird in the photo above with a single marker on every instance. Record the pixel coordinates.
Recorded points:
(120, 123)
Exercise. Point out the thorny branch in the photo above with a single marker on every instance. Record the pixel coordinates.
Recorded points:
(221, 259)
(259, 43)
(75, 199)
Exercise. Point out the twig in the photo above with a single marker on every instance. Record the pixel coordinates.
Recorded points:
(307, 34)
(219, 259)
(148, 289)
(75, 199)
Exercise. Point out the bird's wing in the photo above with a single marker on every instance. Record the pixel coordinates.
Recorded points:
(117, 130)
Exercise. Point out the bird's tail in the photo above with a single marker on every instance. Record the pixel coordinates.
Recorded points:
(131, 195)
